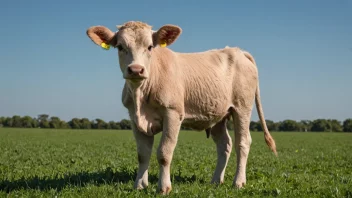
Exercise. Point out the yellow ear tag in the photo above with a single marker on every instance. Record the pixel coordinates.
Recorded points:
(105, 46)
(163, 44)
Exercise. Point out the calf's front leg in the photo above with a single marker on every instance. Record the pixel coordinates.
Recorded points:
(168, 141)
(144, 150)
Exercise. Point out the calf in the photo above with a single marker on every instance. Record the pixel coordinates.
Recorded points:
(164, 89)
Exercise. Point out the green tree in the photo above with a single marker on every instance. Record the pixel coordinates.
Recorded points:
(55, 122)
(35, 123)
(8, 122)
(125, 124)
(323, 125)
(16, 121)
(272, 126)
(44, 124)
(305, 125)
(335, 125)
(42, 117)
(347, 125)
(43, 121)
(74, 123)
(85, 123)
(107, 125)
(100, 124)
(114, 125)
(254, 126)
(320, 125)
(289, 125)
(64, 125)
(2, 121)
(27, 122)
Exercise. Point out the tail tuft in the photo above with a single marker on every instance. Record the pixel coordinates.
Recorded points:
(268, 138)
(270, 142)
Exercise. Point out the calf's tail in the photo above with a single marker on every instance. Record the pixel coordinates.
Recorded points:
(268, 138)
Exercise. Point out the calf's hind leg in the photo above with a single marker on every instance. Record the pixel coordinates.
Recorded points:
(223, 143)
(243, 142)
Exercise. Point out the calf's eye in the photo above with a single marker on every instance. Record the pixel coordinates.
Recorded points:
(150, 47)
(119, 47)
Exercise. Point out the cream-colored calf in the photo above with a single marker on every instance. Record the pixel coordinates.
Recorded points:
(164, 89)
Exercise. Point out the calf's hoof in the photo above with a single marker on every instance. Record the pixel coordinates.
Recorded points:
(165, 191)
(140, 185)
(239, 184)
(217, 181)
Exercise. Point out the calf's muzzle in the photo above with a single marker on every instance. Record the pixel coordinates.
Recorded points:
(135, 70)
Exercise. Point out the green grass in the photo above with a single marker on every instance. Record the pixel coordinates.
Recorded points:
(91, 163)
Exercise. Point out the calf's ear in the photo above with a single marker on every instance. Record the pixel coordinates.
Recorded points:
(166, 35)
(101, 34)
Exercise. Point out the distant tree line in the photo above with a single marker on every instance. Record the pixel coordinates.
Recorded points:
(318, 125)
(45, 121)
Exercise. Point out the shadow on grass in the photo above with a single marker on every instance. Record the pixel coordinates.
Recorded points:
(108, 176)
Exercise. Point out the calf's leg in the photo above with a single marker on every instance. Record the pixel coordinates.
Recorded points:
(168, 141)
(243, 142)
(223, 143)
(144, 150)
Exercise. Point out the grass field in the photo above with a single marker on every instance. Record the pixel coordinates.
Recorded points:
(91, 163)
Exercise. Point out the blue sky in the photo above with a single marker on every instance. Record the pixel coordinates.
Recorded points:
(48, 65)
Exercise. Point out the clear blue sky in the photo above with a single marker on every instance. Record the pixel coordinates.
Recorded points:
(48, 65)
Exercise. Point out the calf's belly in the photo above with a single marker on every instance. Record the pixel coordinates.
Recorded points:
(205, 120)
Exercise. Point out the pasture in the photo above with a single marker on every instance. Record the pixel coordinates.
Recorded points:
(103, 163)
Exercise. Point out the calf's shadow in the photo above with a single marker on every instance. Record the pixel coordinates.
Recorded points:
(81, 179)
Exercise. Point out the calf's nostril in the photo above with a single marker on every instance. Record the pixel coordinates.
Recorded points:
(142, 71)
(129, 70)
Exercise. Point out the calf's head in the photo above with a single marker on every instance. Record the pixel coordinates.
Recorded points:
(135, 42)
